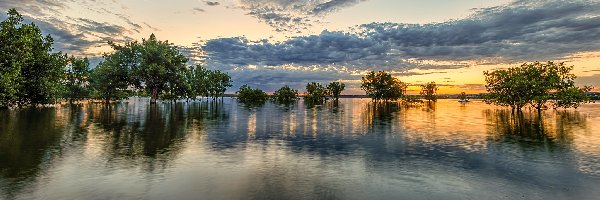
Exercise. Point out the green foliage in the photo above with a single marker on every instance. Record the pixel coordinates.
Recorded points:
(534, 84)
(429, 90)
(334, 89)
(77, 75)
(217, 84)
(251, 96)
(572, 97)
(156, 66)
(382, 86)
(463, 96)
(411, 99)
(285, 95)
(315, 93)
(29, 73)
(178, 87)
(110, 79)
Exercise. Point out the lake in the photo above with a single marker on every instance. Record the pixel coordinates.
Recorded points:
(352, 150)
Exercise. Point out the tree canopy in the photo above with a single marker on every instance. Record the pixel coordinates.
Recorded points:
(77, 75)
(315, 93)
(429, 91)
(382, 86)
(285, 95)
(30, 74)
(334, 89)
(251, 96)
(534, 84)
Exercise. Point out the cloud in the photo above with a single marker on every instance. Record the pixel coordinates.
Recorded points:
(212, 3)
(593, 80)
(523, 30)
(517, 32)
(198, 10)
(76, 35)
(286, 15)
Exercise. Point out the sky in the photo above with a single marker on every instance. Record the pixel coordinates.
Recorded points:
(271, 43)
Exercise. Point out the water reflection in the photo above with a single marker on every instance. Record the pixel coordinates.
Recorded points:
(352, 149)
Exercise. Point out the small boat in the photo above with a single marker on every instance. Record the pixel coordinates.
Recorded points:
(464, 101)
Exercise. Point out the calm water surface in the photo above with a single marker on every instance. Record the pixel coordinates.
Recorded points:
(354, 150)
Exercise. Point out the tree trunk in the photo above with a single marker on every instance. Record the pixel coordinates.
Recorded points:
(154, 96)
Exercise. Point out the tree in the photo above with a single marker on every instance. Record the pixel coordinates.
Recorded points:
(29, 73)
(315, 93)
(572, 97)
(178, 87)
(382, 86)
(334, 89)
(110, 80)
(534, 84)
(285, 95)
(251, 96)
(217, 83)
(156, 66)
(429, 90)
(462, 96)
(508, 88)
(197, 78)
(77, 75)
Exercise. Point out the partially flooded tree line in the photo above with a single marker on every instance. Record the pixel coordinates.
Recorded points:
(31, 74)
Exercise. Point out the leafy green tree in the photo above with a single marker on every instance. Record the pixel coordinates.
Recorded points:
(217, 83)
(507, 88)
(572, 97)
(382, 86)
(334, 89)
(429, 91)
(156, 66)
(534, 84)
(110, 80)
(77, 75)
(178, 87)
(198, 80)
(285, 95)
(462, 96)
(250, 96)
(29, 73)
(315, 93)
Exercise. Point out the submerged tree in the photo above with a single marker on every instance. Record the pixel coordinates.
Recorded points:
(29, 73)
(198, 81)
(572, 97)
(217, 83)
(429, 91)
(534, 84)
(156, 66)
(77, 75)
(334, 89)
(382, 86)
(110, 80)
(462, 96)
(251, 96)
(315, 93)
(285, 95)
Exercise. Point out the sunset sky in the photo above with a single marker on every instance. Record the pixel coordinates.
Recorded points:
(271, 43)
